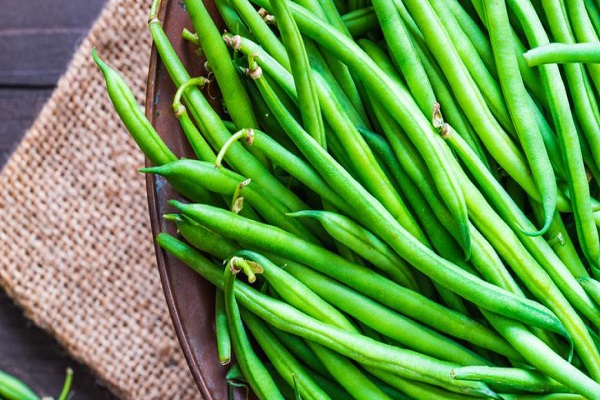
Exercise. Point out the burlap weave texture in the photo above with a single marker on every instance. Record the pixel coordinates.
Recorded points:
(76, 246)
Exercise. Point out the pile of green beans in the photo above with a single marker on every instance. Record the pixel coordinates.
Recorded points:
(409, 188)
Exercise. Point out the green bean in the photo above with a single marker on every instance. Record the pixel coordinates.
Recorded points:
(584, 32)
(471, 100)
(234, 94)
(568, 138)
(539, 355)
(216, 132)
(191, 37)
(226, 182)
(372, 175)
(66, 389)
(222, 329)
(594, 14)
(559, 239)
(592, 287)
(536, 278)
(347, 374)
(199, 145)
(300, 68)
(231, 18)
(263, 34)
(396, 98)
(531, 77)
(561, 53)
(254, 371)
(450, 276)
(301, 351)
(400, 329)
(400, 145)
(403, 54)
(417, 390)
(474, 33)
(553, 396)
(511, 213)
(304, 353)
(132, 116)
(296, 293)
(342, 76)
(13, 388)
(363, 242)
(481, 75)
(510, 378)
(142, 131)
(360, 348)
(456, 116)
(274, 240)
(360, 22)
(436, 229)
(298, 168)
(285, 363)
(363, 162)
(484, 257)
(346, 95)
(520, 109)
(267, 122)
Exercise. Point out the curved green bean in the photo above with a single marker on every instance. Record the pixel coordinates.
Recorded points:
(358, 347)
(300, 68)
(217, 134)
(562, 53)
(510, 378)
(363, 242)
(254, 371)
(275, 240)
(520, 109)
(234, 94)
(395, 97)
(283, 361)
(13, 388)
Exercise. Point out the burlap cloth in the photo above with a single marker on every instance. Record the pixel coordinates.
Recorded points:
(75, 244)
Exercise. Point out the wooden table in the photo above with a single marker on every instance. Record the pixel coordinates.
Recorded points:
(37, 40)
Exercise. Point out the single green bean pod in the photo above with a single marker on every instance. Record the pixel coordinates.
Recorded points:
(12, 388)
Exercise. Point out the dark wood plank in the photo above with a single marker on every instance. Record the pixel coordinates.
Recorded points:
(38, 37)
(18, 109)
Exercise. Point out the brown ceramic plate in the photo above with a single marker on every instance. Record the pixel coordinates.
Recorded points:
(189, 297)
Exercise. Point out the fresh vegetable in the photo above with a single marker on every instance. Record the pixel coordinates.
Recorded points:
(392, 249)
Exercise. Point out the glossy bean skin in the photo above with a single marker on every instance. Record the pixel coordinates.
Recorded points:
(394, 296)
(567, 133)
(404, 244)
(358, 347)
(234, 94)
(300, 68)
(562, 53)
(222, 329)
(520, 109)
(225, 182)
(367, 245)
(394, 96)
(12, 388)
(254, 371)
(217, 134)
(285, 363)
